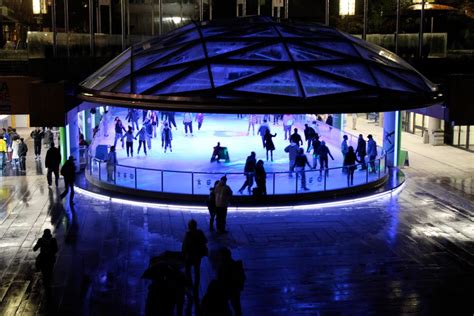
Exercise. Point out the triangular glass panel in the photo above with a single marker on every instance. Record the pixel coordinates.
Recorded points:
(209, 31)
(142, 60)
(317, 85)
(373, 56)
(148, 81)
(192, 53)
(257, 31)
(283, 83)
(197, 80)
(96, 80)
(357, 72)
(300, 53)
(187, 36)
(219, 48)
(108, 84)
(274, 52)
(386, 81)
(412, 77)
(338, 46)
(224, 74)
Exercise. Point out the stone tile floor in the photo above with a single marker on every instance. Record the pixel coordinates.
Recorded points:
(409, 255)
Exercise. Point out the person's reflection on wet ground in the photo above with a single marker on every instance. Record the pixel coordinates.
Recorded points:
(47, 257)
(72, 226)
(214, 302)
(24, 192)
(39, 168)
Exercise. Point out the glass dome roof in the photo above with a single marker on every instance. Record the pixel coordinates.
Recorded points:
(258, 64)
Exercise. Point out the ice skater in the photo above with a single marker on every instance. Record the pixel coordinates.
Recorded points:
(188, 123)
(296, 138)
(309, 134)
(349, 162)
(301, 161)
(262, 131)
(119, 129)
(199, 119)
(249, 171)
(268, 143)
(171, 120)
(129, 141)
(216, 152)
(292, 150)
(316, 144)
(149, 132)
(154, 121)
(323, 153)
(166, 137)
(252, 120)
(142, 136)
(288, 121)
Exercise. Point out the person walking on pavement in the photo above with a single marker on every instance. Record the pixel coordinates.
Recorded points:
(15, 155)
(361, 150)
(194, 248)
(119, 129)
(166, 137)
(301, 162)
(188, 123)
(142, 136)
(46, 259)
(323, 153)
(262, 131)
(371, 152)
(129, 141)
(211, 205)
(350, 163)
(231, 275)
(37, 136)
(249, 171)
(223, 196)
(296, 138)
(261, 178)
(292, 149)
(68, 171)
(309, 134)
(22, 151)
(52, 162)
(111, 164)
(3, 152)
(354, 121)
(268, 143)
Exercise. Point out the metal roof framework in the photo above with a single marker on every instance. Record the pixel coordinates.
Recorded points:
(259, 65)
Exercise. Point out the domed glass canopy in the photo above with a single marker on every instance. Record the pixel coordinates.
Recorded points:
(256, 64)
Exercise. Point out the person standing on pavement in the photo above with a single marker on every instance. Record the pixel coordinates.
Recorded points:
(3, 152)
(223, 196)
(52, 162)
(211, 205)
(344, 150)
(249, 171)
(22, 151)
(37, 136)
(354, 121)
(68, 171)
(329, 122)
(111, 162)
(371, 152)
(350, 163)
(301, 162)
(194, 248)
(361, 150)
(15, 155)
(292, 150)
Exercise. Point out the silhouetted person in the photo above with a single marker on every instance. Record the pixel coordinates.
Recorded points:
(372, 152)
(344, 150)
(166, 137)
(194, 248)
(292, 149)
(68, 171)
(37, 136)
(349, 162)
(111, 164)
(323, 153)
(361, 150)
(261, 178)
(316, 143)
(52, 162)
(231, 275)
(215, 301)
(216, 152)
(22, 151)
(211, 205)
(300, 162)
(129, 141)
(269, 145)
(249, 171)
(171, 120)
(262, 131)
(329, 121)
(296, 138)
(223, 196)
(47, 257)
(309, 134)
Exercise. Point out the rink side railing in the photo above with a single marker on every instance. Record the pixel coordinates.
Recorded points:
(199, 183)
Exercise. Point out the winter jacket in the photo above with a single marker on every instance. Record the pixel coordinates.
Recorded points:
(22, 149)
(15, 145)
(53, 158)
(292, 150)
(250, 164)
(344, 147)
(223, 194)
(68, 171)
(323, 152)
(361, 148)
(187, 118)
(371, 147)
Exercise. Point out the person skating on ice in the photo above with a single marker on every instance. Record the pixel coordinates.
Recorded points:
(292, 150)
(252, 121)
(129, 141)
(216, 152)
(171, 120)
(350, 160)
(199, 119)
(262, 130)
(142, 136)
(119, 129)
(166, 137)
(296, 138)
(323, 153)
(301, 162)
(288, 121)
(309, 134)
(249, 171)
(188, 123)
(154, 122)
(268, 143)
(149, 132)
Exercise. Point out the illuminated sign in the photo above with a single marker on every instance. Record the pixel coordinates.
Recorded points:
(346, 7)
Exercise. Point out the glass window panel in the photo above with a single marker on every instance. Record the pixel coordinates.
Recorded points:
(148, 81)
(143, 60)
(183, 38)
(267, 32)
(301, 53)
(108, 84)
(209, 31)
(103, 73)
(282, 83)
(273, 52)
(371, 55)
(356, 72)
(388, 82)
(218, 48)
(224, 74)
(413, 78)
(338, 46)
(193, 53)
(315, 85)
(197, 80)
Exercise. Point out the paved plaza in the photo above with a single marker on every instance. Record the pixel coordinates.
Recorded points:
(412, 254)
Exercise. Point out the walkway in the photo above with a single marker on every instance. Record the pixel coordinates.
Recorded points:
(409, 255)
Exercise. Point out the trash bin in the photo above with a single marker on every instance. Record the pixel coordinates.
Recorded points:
(426, 138)
(437, 138)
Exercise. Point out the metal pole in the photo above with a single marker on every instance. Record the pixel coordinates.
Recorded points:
(326, 16)
(201, 10)
(110, 18)
(55, 31)
(153, 17)
(91, 27)
(287, 3)
(210, 10)
(397, 26)
(160, 7)
(122, 16)
(66, 25)
(420, 34)
(364, 29)
(127, 7)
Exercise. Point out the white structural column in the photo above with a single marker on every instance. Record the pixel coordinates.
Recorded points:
(278, 4)
(242, 3)
(435, 131)
(391, 137)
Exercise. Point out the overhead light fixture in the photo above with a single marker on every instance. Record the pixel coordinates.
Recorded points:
(346, 7)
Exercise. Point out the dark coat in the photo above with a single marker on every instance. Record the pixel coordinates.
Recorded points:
(309, 133)
(250, 164)
(361, 147)
(68, 171)
(350, 160)
(194, 245)
(53, 158)
(22, 149)
(269, 145)
(296, 138)
(37, 136)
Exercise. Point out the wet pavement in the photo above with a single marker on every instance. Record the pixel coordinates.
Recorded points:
(409, 255)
